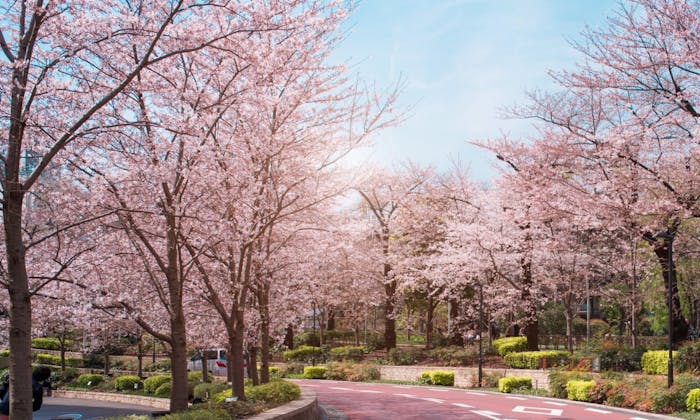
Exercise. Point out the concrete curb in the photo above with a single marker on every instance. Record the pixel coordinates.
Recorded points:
(305, 408)
(159, 403)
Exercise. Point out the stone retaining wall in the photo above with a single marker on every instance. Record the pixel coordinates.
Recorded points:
(464, 377)
(158, 403)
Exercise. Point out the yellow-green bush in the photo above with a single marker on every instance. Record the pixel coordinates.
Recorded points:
(578, 390)
(163, 390)
(347, 353)
(314, 372)
(692, 403)
(350, 371)
(87, 380)
(207, 390)
(304, 354)
(655, 362)
(507, 345)
(127, 382)
(150, 385)
(275, 392)
(49, 343)
(438, 377)
(536, 359)
(510, 383)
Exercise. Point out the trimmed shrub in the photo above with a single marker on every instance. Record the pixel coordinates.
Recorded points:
(558, 380)
(508, 345)
(688, 358)
(671, 400)
(314, 372)
(620, 358)
(194, 376)
(87, 380)
(454, 356)
(510, 383)
(127, 382)
(439, 377)
(347, 353)
(293, 369)
(4, 353)
(374, 341)
(150, 385)
(163, 390)
(275, 392)
(206, 391)
(405, 357)
(274, 370)
(692, 402)
(578, 390)
(349, 371)
(304, 354)
(47, 359)
(655, 362)
(49, 343)
(536, 359)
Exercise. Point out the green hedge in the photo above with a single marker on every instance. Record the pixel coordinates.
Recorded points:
(508, 345)
(49, 343)
(314, 372)
(347, 353)
(578, 390)
(50, 359)
(438, 377)
(275, 392)
(559, 378)
(304, 354)
(87, 380)
(688, 358)
(150, 385)
(163, 390)
(5, 353)
(510, 383)
(405, 357)
(692, 403)
(350, 371)
(536, 359)
(127, 382)
(205, 391)
(655, 362)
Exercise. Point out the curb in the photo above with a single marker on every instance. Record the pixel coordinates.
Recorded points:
(305, 408)
(159, 403)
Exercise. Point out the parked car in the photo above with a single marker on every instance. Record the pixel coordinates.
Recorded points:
(216, 362)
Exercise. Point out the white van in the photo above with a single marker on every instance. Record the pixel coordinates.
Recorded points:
(216, 361)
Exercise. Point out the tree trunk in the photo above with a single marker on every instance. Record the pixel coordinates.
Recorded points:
(106, 367)
(20, 299)
(569, 331)
(455, 323)
(205, 367)
(330, 323)
(429, 324)
(264, 340)
(289, 337)
(236, 361)
(63, 357)
(389, 320)
(252, 365)
(139, 357)
(680, 326)
(178, 356)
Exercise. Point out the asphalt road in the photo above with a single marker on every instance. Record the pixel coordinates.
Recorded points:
(370, 401)
(89, 409)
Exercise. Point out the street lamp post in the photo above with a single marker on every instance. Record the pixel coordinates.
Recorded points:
(669, 240)
(313, 337)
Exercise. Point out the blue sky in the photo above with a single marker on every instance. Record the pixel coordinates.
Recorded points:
(462, 60)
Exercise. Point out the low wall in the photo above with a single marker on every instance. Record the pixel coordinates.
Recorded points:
(305, 408)
(464, 376)
(158, 403)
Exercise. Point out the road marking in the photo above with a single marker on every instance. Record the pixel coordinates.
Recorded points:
(538, 410)
(399, 386)
(462, 405)
(488, 414)
(517, 398)
(316, 386)
(555, 403)
(476, 393)
(638, 418)
(406, 395)
(370, 391)
(340, 388)
(595, 410)
(439, 389)
(435, 400)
